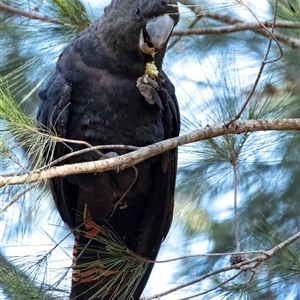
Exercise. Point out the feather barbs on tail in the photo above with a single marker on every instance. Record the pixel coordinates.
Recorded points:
(91, 228)
(103, 266)
(93, 268)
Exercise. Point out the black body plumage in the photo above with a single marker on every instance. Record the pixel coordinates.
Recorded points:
(93, 97)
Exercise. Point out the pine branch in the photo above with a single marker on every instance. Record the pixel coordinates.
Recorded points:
(242, 26)
(130, 159)
(69, 14)
(236, 25)
(239, 26)
(33, 16)
(246, 265)
(18, 285)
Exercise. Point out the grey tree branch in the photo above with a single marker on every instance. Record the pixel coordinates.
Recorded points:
(214, 288)
(240, 26)
(130, 159)
(236, 24)
(246, 265)
(33, 16)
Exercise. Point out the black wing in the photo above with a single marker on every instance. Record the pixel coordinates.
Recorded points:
(53, 115)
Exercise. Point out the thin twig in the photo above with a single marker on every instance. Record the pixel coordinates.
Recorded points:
(18, 196)
(205, 255)
(235, 187)
(240, 26)
(251, 277)
(207, 275)
(33, 16)
(263, 64)
(176, 40)
(283, 245)
(189, 283)
(215, 287)
(292, 42)
(136, 173)
(16, 161)
(92, 148)
(55, 138)
(244, 266)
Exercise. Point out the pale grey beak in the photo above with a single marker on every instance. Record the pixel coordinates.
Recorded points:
(156, 33)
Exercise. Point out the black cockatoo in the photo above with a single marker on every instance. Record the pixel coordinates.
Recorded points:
(109, 89)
